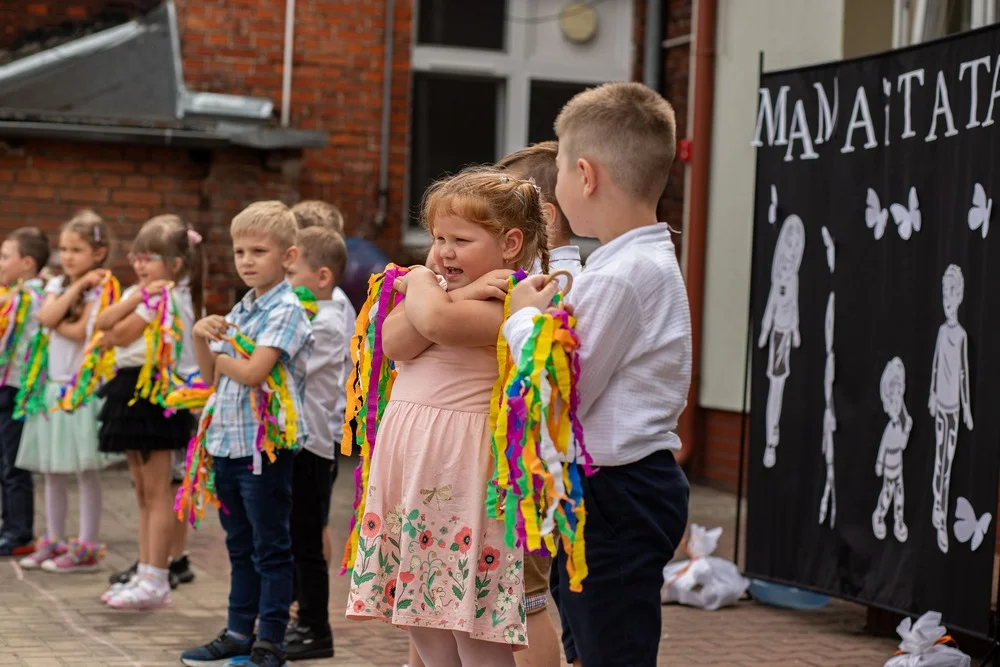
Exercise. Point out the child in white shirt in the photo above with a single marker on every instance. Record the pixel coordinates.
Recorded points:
(616, 146)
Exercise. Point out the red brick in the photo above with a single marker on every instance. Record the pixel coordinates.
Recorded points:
(30, 192)
(84, 195)
(136, 197)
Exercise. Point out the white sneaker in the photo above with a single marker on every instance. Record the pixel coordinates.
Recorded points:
(145, 594)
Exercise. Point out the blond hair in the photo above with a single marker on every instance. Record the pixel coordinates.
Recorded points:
(171, 237)
(492, 199)
(271, 218)
(323, 247)
(538, 161)
(316, 213)
(629, 129)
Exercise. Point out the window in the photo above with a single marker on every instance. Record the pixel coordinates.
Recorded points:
(472, 24)
(454, 124)
(923, 20)
(547, 100)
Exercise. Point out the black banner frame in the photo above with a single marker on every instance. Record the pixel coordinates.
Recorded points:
(993, 636)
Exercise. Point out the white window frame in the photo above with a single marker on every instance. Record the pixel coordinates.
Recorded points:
(910, 19)
(516, 72)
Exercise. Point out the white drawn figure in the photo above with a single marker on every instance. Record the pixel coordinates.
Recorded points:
(908, 217)
(889, 462)
(979, 214)
(829, 499)
(875, 215)
(772, 209)
(830, 249)
(967, 526)
(949, 392)
(780, 324)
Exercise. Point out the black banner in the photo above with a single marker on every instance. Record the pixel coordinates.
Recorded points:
(876, 329)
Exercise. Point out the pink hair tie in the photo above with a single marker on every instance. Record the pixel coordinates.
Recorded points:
(194, 237)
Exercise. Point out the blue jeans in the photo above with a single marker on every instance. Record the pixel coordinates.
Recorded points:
(259, 542)
(17, 496)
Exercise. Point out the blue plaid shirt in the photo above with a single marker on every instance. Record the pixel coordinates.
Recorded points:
(275, 319)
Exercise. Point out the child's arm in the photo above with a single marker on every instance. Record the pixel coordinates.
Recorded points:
(54, 310)
(207, 328)
(796, 339)
(768, 320)
(880, 459)
(400, 339)
(932, 394)
(286, 332)
(76, 331)
(966, 402)
(116, 312)
(252, 371)
(445, 322)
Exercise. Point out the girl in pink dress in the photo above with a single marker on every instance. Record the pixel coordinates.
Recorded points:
(429, 558)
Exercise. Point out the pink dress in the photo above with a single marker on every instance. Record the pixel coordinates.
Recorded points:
(428, 554)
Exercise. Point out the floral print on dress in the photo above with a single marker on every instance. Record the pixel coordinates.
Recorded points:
(417, 567)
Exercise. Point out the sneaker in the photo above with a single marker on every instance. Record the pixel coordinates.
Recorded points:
(144, 594)
(266, 654)
(124, 576)
(79, 557)
(11, 547)
(304, 644)
(117, 587)
(181, 570)
(219, 651)
(45, 549)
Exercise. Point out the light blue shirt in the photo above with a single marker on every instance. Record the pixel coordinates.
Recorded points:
(275, 319)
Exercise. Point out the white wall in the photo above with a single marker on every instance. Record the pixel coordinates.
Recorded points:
(791, 33)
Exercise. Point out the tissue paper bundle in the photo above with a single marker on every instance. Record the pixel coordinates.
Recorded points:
(704, 581)
(925, 645)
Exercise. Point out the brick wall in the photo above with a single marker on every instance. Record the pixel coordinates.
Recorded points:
(22, 21)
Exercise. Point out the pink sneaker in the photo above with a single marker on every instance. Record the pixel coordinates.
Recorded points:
(45, 549)
(79, 557)
(117, 588)
(144, 594)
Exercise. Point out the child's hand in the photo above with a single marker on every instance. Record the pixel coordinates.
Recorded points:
(908, 422)
(878, 468)
(93, 278)
(796, 339)
(492, 285)
(157, 286)
(533, 292)
(932, 404)
(211, 327)
(400, 284)
(968, 418)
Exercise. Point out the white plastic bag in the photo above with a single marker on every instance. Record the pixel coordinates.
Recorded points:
(705, 581)
(920, 648)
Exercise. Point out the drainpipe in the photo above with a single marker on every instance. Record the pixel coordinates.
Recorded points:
(383, 162)
(653, 52)
(690, 427)
(286, 70)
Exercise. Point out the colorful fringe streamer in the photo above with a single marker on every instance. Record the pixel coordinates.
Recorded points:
(369, 384)
(272, 404)
(538, 444)
(164, 338)
(98, 363)
(30, 399)
(14, 317)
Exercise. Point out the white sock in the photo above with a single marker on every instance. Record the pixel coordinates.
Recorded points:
(142, 570)
(158, 575)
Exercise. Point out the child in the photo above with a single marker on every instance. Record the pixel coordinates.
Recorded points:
(539, 163)
(60, 443)
(616, 145)
(319, 266)
(23, 254)
(428, 557)
(315, 213)
(165, 251)
(256, 492)
(889, 463)
(949, 392)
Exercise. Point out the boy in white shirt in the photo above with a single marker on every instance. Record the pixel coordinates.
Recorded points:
(616, 146)
(320, 265)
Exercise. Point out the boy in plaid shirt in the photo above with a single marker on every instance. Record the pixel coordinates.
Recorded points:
(256, 492)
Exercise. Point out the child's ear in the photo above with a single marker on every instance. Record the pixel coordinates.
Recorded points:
(175, 265)
(588, 175)
(512, 242)
(325, 277)
(291, 255)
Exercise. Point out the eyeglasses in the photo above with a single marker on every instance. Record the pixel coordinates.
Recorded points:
(144, 257)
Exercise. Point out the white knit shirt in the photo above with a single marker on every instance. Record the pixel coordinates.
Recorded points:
(634, 325)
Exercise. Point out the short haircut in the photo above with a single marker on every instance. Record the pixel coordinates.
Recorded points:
(271, 218)
(538, 161)
(316, 213)
(627, 128)
(321, 247)
(31, 242)
(954, 275)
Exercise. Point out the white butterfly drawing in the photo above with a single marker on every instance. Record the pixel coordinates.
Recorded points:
(772, 210)
(907, 217)
(967, 526)
(828, 242)
(875, 215)
(979, 214)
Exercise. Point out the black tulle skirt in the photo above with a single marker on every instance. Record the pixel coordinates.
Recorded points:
(141, 426)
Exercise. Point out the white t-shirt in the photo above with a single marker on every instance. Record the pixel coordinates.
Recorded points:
(65, 355)
(349, 318)
(134, 354)
(325, 377)
(563, 258)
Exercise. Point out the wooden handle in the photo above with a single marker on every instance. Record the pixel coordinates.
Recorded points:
(555, 276)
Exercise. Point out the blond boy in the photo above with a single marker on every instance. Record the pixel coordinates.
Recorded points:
(616, 146)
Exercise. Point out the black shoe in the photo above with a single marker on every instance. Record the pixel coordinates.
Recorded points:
(305, 644)
(292, 632)
(266, 654)
(181, 569)
(218, 651)
(124, 576)
(11, 547)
